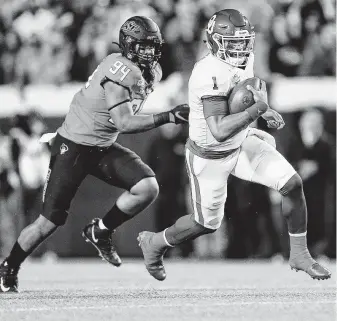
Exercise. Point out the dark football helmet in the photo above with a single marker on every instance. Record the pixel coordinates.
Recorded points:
(230, 37)
(140, 41)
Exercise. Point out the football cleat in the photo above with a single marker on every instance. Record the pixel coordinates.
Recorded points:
(8, 278)
(153, 257)
(102, 241)
(308, 265)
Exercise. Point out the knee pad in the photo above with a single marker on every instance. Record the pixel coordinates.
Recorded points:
(294, 183)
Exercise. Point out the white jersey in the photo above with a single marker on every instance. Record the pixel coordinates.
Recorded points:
(213, 77)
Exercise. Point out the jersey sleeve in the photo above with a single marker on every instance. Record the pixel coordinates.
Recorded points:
(215, 106)
(124, 73)
(120, 94)
(211, 86)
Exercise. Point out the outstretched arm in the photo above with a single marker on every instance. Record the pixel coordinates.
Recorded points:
(118, 102)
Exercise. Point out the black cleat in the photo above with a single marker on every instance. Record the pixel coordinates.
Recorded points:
(153, 257)
(102, 241)
(8, 278)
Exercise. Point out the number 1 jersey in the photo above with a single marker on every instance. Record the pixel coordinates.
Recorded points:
(88, 121)
(213, 77)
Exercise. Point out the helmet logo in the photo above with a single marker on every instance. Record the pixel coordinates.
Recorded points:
(239, 33)
(63, 149)
(211, 24)
(131, 26)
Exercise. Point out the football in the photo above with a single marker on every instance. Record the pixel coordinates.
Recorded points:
(240, 98)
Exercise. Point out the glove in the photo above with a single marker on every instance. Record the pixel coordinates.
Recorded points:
(179, 114)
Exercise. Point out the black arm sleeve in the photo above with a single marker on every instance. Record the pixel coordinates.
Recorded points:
(215, 105)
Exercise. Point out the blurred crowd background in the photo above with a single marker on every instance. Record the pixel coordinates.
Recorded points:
(60, 43)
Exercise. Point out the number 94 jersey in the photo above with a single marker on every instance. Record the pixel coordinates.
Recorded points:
(88, 121)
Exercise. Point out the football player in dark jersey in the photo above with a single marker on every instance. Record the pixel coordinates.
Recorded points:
(85, 144)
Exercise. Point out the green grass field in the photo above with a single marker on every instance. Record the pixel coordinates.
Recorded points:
(214, 290)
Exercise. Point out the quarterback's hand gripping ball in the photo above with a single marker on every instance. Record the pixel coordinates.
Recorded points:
(248, 92)
(245, 94)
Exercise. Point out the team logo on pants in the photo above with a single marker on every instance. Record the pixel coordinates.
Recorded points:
(63, 149)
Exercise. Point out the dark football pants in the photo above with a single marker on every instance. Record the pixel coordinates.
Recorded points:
(70, 163)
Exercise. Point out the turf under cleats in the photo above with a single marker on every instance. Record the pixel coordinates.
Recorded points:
(8, 278)
(102, 241)
(153, 256)
(304, 262)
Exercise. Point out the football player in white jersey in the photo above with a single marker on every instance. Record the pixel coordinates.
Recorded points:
(221, 144)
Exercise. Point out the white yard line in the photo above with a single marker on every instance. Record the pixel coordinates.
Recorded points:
(163, 305)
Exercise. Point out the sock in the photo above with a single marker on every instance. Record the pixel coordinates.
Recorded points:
(297, 218)
(114, 218)
(297, 223)
(101, 225)
(185, 228)
(160, 240)
(299, 250)
(17, 256)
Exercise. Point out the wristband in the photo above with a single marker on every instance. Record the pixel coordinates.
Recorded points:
(161, 119)
(257, 110)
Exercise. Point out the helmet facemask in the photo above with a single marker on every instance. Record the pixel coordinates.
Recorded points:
(145, 53)
(148, 53)
(234, 50)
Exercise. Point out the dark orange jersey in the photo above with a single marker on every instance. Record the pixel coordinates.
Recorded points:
(88, 121)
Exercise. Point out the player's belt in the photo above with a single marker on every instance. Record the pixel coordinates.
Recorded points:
(208, 153)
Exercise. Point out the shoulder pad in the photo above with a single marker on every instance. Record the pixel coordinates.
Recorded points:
(210, 66)
(210, 78)
(122, 71)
